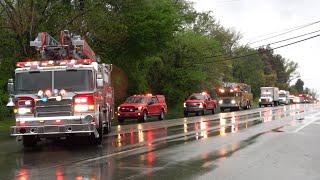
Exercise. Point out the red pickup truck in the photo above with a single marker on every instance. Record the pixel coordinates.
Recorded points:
(199, 103)
(141, 107)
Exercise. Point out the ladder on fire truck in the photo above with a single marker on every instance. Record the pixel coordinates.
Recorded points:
(69, 47)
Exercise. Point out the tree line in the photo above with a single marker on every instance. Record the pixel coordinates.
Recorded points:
(156, 46)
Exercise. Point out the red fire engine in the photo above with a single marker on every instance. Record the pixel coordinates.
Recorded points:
(63, 93)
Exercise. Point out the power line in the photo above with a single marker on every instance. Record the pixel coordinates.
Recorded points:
(255, 53)
(276, 42)
(286, 32)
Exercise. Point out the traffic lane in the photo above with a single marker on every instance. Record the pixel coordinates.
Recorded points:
(120, 129)
(31, 170)
(34, 160)
(176, 158)
(291, 153)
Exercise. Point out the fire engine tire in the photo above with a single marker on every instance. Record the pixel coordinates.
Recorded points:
(29, 141)
(161, 116)
(97, 141)
(213, 111)
(221, 109)
(197, 113)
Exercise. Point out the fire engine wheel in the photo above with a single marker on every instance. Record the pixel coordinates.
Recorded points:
(29, 141)
(93, 139)
(161, 116)
(213, 111)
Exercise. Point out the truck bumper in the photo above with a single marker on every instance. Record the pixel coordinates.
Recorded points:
(129, 115)
(193, 109)
(228, 105)
(69, 125)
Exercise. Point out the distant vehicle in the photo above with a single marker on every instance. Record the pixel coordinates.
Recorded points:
(269, 96)
(234, 96)
(142, 106)
(291, 99)
(296, 100)
(284, 97)
(199, 103)
(305, 98)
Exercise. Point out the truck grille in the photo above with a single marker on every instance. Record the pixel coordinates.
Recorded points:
(227, 101)
(192, 105)
(53, 108)
(127, 109)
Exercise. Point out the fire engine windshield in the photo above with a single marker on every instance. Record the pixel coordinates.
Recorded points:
(80, 80)
(136, 100)
(32, 82)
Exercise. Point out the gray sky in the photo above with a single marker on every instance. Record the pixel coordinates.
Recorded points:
(253, 18)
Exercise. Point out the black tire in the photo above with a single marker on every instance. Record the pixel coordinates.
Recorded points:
(197, 113)
(221, 109)
(161, 116)
(213, 111)
(202, 112)
(107, 128)
(29, 141)
(144, 116)
(98, 141)
(120, 120)
(185, 113)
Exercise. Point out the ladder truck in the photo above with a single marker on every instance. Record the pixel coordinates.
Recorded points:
(62, 93)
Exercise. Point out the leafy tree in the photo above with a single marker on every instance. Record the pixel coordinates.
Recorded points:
(299, 86)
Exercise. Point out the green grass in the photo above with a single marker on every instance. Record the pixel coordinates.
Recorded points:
(5, 129)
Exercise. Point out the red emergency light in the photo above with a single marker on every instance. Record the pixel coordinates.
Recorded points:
(54, 63)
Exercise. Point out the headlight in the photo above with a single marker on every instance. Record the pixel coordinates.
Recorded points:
(201, 105)
(140, 108)
(23, 110)
(259, 100)
(119, 108)
(184, 105)
(220, 101)
(233, 101)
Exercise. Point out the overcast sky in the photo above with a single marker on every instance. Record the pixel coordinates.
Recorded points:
(254, 18)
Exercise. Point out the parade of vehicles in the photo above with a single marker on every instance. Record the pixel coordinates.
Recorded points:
(199, 103)
(142, 106)
(65, 92)
(234, 96)
(284, 97)
(269, 96)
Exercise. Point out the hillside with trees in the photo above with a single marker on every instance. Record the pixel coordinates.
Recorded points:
(157, 46)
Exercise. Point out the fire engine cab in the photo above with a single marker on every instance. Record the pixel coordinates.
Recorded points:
(63, 93)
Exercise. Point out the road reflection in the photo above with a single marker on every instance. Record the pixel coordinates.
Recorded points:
(31, 163)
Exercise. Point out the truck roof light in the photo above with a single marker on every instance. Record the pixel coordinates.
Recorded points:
(48, 93)
(52, 63)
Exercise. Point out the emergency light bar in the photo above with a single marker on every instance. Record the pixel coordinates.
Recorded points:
(54, 63)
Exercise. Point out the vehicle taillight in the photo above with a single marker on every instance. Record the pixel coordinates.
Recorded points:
(24, 105)
(84, 103)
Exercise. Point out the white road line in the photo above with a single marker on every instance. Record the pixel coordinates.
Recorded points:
(305, 125)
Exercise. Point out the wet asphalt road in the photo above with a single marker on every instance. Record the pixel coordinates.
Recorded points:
(267, 143)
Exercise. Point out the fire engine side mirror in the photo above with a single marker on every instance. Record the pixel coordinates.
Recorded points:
(100, 82)
(10, 87)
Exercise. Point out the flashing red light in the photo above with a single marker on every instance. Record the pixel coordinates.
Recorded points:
(48, 93)
(51, 63)
(63, 92)
(149, 94)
